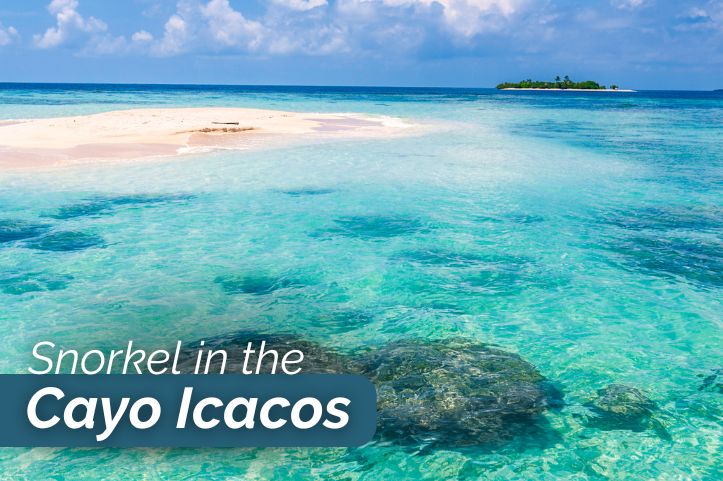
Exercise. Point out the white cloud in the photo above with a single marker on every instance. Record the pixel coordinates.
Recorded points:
(229, 27)
(175, 37)
(214, 25)
(300, 5)
(68, 23)
(7, 35)
(142, 36)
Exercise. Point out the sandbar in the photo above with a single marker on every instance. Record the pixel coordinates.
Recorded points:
(160, 132)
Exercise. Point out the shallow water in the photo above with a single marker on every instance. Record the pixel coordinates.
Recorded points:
(580, 231)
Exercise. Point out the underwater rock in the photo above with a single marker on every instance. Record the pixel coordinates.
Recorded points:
(455, 392)
(305, 192)
(33, 282)
(15, 229)
(369, 227)
(451, 393)
(106, 205)
(621, 407)
(255, 284)
(66, 241)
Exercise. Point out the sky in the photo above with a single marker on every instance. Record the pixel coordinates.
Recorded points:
(641, 44)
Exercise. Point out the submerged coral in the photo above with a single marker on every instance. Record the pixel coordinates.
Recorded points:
(621, 407)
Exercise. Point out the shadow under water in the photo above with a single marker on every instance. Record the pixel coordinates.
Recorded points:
(65, 241)
(99, 205)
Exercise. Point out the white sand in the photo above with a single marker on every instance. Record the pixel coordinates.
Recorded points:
(138, 133)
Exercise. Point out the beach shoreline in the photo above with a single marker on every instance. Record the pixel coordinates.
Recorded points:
(166, 132)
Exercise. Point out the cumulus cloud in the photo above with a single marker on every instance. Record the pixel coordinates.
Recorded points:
(142, 36)
(68, 23)
(175, 37)
(7, 35)
(214, 25)
(228, 27)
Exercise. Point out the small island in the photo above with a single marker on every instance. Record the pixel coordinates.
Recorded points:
(559, 84)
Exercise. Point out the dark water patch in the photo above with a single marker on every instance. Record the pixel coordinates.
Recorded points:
(256, 284)
(455, 392)
(66, 241)
(621, 407)
(100, 205)
(372, 226)
(694, 259)
(307, 192)
(695, 218)
(33, 282)
(712, 382)
(16, 229)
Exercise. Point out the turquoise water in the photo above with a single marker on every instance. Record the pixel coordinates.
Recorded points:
(580, 231)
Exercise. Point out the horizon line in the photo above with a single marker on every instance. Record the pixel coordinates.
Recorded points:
(163, 84)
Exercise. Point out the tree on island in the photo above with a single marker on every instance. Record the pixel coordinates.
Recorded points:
(564, 84)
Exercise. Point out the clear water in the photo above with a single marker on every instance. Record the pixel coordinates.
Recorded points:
(602, 215)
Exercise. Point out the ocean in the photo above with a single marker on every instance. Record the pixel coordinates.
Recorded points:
(580, 231)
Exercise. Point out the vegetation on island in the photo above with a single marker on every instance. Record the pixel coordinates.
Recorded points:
(559, 83)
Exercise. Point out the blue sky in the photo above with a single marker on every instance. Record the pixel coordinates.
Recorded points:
(653, 44)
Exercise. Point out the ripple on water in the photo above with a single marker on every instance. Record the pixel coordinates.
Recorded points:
(512, 217)
(373, 226)
(99, 205)
(307, 192)
(16, 229)
(440, 257)
(66, 241)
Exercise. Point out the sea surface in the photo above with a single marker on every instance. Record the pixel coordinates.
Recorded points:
(583, 232)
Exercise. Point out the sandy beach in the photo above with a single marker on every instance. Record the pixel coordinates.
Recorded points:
(143, 133)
